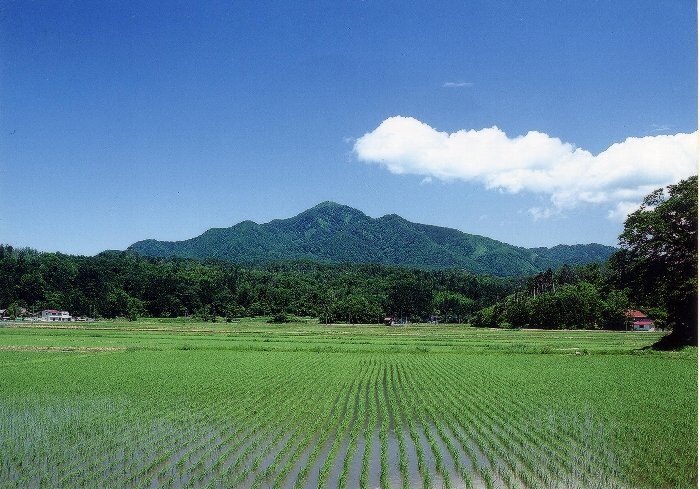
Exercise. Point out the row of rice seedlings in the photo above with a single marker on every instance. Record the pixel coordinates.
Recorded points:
(545, 465)
(406, 385)
(413, 433)
(167, 443)
(524, 411)
(398, 428)
(308, 433)
(96, 456)
(299, 418)
(249, 426)
(196, 460)
(488, 432)
(340, 434)
(270, 470)
(369, 428)
(75, 420)
(316, 437)
(252, 425)
(160, 449)
(383, 431)
(484, 442)
(197, 427)
(148, 447)
(508, 462)
(145, 445)
(301, 399)
(28, 439)
(355, 430)
(576, 463)
(548, 459)
(433, 408)
(330, 425)
(581, 461)
(14, 445)
(191, 428)
(292, 439)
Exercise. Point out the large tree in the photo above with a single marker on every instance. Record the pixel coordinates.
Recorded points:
(658, 259)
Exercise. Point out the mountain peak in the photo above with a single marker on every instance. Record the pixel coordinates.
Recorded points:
(333, 232)
(327, 204)
(327, 216)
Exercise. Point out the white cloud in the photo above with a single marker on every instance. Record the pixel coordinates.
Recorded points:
(622, 210)
(538, 213)
(457, 84)
(536, 162)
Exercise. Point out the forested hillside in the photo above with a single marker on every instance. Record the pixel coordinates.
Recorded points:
(335, 233)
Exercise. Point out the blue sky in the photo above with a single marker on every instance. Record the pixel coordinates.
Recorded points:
(123, 121)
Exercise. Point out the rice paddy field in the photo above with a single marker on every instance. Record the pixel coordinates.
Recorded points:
(251, 405)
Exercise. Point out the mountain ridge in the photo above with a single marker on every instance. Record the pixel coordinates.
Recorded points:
(332, 232)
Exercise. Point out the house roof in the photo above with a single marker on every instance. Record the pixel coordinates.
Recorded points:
(633, 313)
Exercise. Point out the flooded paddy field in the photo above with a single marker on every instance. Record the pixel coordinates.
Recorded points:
(308, 406)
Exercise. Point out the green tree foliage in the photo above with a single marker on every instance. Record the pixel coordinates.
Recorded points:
(582, 297)
(124, 284)
(659, 257)
(453, 307)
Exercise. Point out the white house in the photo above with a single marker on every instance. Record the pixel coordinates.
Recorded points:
(54, 315)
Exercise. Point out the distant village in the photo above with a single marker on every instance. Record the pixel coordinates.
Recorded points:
(636, 320)
(47, 315)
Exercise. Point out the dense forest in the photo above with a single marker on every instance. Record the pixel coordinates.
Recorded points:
(125, 284)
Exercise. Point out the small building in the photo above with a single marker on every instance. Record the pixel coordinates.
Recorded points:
(389, 321)
(638, 321)
(54, 315)
(18, 314)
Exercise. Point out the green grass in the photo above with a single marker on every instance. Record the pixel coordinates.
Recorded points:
(179, 403)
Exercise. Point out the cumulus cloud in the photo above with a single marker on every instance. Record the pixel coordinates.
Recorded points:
(535, 162)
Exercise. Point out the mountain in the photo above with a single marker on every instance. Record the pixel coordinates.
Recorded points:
(331, 232)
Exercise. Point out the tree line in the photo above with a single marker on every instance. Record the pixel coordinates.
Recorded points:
(584, 297)
(125, 284)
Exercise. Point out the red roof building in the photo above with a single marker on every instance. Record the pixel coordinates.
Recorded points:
(639, 321)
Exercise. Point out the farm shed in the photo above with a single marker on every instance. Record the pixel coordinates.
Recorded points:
(639, 321)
